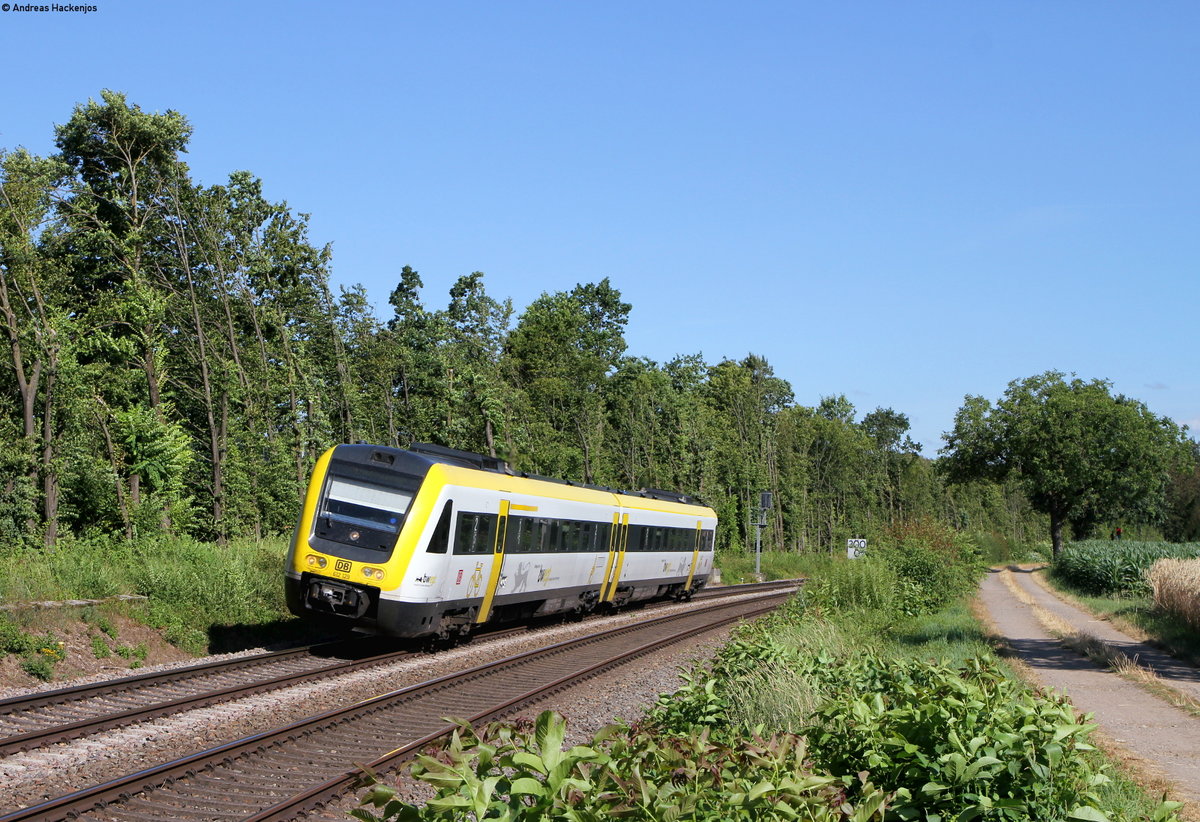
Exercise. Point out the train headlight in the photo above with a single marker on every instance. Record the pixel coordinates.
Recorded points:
(316, 562)
(373, 573)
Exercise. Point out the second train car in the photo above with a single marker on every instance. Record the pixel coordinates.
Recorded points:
(432, 541)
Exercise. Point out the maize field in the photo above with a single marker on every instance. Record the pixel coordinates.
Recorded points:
(1103, 567)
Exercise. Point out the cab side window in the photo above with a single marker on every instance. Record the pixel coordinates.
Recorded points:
(440, 540)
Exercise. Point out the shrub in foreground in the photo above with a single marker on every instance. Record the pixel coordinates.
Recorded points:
(500, 772)
(943, 741)
(957, 741)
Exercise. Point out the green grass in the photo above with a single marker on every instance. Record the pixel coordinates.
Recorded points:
(205, 597)
(737, 568)
(951, 635)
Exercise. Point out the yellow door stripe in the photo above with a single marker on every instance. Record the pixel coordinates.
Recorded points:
(485, 610)
(612, 541)
(695, 555)
(622, 544)
(523, 507)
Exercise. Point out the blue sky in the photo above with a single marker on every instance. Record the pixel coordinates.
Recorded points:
(902, 202)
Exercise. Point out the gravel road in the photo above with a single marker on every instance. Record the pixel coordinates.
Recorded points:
(1160, 739)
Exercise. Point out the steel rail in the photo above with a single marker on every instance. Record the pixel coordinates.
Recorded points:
(334, 788)
(146, 780)
(145, 683)
(75, 730)
(94, 689)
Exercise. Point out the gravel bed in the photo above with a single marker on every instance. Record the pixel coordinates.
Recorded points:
(122, 673)
(34, 776)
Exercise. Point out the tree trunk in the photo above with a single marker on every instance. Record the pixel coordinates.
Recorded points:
(1057, 518)
(135, 498)
(50, 483)
(220, 449)
(216, 433)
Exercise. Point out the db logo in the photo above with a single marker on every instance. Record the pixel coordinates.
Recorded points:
(342, 565)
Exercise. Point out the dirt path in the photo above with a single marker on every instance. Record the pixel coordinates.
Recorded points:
(1164, 738)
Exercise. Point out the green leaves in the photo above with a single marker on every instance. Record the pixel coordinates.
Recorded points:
(1080, 453)
(643, 773)
(1115, 567)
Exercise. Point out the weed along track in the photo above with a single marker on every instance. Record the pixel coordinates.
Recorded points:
(308, 762)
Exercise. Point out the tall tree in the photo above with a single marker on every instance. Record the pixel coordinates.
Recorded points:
(35, 319)
(1078, 451)
(745, 398)
(124, 159)
(562, 353)
(477, 325)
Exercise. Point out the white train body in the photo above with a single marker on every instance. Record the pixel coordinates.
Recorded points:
(435, 542)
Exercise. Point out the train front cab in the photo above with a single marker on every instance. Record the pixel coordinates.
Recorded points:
(349, 545)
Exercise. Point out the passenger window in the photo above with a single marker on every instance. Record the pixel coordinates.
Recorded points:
(440, 540)
(603, 537)
(476, 534)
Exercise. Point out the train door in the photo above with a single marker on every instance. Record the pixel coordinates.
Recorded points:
(485, 609)
(617, 544)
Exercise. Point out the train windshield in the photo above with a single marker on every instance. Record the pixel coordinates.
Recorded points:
(369, 506)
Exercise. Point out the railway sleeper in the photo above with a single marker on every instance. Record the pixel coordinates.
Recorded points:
(234, 788)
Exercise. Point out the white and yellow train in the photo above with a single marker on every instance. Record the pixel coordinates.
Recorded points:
(432, 541)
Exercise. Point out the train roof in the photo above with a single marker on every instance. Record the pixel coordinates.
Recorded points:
(431, 454)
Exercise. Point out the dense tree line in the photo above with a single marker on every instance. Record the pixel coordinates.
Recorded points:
(179, 360)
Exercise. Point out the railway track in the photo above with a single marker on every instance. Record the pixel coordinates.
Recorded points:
(277, 774)
(36, 720)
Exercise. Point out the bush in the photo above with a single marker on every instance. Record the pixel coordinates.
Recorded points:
(956, 740)
(948, 741)
(998, 548)
(934, 564)
(13, 640)
(501, 772)
(862, 585)
(41, 655)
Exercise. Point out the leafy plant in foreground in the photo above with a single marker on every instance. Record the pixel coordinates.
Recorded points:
(499, 772)
(963, 741)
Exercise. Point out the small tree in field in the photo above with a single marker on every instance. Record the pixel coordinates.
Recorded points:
(1080, 453)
